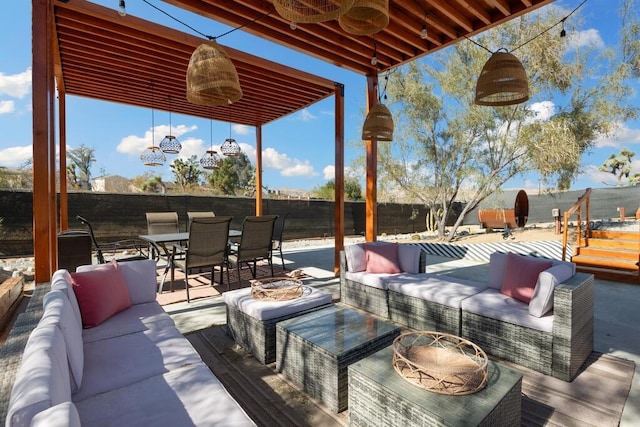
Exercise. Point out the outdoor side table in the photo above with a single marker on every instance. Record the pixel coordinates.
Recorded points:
(378, 395)
(252, 323)
(315, 350)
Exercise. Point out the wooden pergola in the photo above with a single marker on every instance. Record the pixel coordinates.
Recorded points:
(88, 50)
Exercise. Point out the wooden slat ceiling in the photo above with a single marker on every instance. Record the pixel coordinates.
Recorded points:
(102, 55)
(447, 21)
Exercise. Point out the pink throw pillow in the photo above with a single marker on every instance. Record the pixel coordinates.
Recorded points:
(382, 258)
(521, 275)
(101, 293)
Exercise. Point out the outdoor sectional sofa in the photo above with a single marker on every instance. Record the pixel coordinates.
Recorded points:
(552, 334)
(132, 367)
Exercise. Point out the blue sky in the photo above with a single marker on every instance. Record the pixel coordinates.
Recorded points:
(297, 150)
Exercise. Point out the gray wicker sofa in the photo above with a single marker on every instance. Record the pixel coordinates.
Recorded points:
(554, 343)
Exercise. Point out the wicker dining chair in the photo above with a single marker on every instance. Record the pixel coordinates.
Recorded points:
(207, 248)
(278, 229)
(162, 223)
(255, 243)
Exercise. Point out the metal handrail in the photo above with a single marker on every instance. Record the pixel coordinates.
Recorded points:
(577, 206)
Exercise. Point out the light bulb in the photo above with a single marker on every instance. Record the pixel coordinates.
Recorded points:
(563, 33)
(122, 11)
(374, 59)
(293, 25)
(423, 32)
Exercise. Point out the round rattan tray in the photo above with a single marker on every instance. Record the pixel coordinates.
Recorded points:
(441, 363)
(276, 289)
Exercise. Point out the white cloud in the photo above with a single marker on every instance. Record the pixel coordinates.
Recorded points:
(134, 145)
(287, 166)
(16, 85)
(14, 157)
(593, 174)
(7, 107)
(192, 146)
(586, 38)
(623, 135)
(299, 169)
(241, 129)
(329, 172)
(543, 110)
(305, 115)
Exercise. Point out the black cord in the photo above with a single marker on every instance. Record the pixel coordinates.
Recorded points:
(203, 34)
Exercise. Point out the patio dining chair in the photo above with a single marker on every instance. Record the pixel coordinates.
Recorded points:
(198, 214)
(278, 229)
(255, 243)
(207, 248)
(162, 223)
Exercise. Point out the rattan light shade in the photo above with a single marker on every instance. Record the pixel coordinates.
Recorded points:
(211, 160)
(503, 81)
(230, 148)
(152, 156)
(310, 11)
(365, 17)
(378, 124)
(212, 78)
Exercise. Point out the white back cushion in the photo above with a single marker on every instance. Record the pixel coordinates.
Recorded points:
(356, 257)
(139, 276)
(409, 258)
(497, 265)
(61, 280)
(57, 311)
(542, 301)
(42, 381)
(62, 415)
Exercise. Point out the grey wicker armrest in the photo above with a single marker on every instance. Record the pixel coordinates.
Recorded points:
(573, 310)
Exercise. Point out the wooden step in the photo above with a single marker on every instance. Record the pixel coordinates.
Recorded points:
(633, 245)
(622, 254)
(609, 263)
(618, 235)
(612, 275)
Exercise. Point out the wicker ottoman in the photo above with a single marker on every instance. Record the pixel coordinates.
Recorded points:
(378, 395)
(252, 323)
(315, 350)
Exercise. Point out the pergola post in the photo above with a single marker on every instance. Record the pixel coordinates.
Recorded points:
(258, 170)
(371, 220)
(339, 175)
(62, 125)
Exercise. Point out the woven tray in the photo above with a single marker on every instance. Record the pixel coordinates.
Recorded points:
(441, 363)
(276, 289)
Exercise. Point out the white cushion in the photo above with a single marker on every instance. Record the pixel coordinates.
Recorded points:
(445, 290)
(61, 280)
(139, 276)
(42, 380)
(62, 415)
(356, 257)
(136, 318)
(497, 265)
(494, 304)
(188, 396)
(542, 301)
(57, 311)
(242, 300)
(409, 258)
(374, 280)
(571, 265)
(120, 361)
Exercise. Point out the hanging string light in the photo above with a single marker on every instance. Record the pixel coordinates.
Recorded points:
(211, 160)
(230, 147)
(153, 156)
(170, 144)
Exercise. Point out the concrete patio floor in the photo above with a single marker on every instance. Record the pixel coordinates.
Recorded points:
(617, 318)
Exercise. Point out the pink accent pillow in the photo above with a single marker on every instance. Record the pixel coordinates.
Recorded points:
(521, 275)
(101, 293)
(382, 258)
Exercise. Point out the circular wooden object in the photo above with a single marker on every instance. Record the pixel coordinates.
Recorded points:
(276, 289)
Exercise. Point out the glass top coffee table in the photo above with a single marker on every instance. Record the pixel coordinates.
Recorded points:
(315, 350)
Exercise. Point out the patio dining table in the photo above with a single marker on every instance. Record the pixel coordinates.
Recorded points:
(160, 243)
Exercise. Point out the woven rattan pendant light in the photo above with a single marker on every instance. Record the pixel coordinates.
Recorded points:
(503, 81)
(170, 144)
(212, 79)
(311, 11)
(365, 17)
(153, 156)
(211, 160)
(230, 147)
(379, 124)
